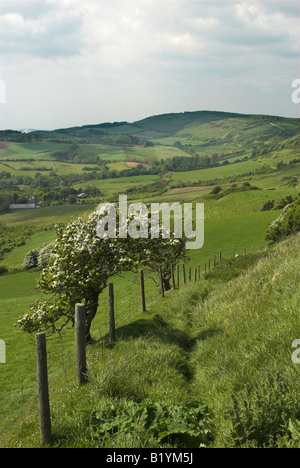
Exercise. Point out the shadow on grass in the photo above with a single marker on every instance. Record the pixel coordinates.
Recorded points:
(157, 329)
(208, 333)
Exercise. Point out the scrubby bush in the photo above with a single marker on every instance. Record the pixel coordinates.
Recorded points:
(269, 205)
(31, 259)
(45, 254)
(3, 270)
(287, 223)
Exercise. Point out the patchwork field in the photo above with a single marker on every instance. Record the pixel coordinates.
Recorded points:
(237, 164)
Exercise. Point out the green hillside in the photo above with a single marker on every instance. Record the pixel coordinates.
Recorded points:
(214, 355)
(220, 349)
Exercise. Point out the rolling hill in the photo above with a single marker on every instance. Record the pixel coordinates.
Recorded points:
(228, 334)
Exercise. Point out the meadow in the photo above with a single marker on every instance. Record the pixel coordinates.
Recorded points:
(205, 343)
(229, 333)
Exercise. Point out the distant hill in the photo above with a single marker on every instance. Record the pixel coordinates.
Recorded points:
(167, 125)
(220, 135)
(170, 124)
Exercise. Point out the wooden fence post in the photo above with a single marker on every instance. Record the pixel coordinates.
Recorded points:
(143, 291)
(220, 256)
(43, 389)
(196, 274)
(209, 264)
(199, 272)
(162, 289)
(80, 344)
(173, 276)
(177, 274)
(183, 272)
(190, 274)
(112, 326)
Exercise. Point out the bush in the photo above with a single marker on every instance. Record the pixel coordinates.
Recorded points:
(45, 254)
(216, 190)
(269, 205)
(3, 270)
(31, 259)
(287, 223)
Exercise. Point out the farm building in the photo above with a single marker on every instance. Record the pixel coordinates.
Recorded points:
(24, 206)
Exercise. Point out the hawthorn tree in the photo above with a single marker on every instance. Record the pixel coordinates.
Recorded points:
(80, 266)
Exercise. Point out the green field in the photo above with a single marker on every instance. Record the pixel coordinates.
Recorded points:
(203, 342)
(204, 350)
(38, 151)
(14, 259)
(47, 216)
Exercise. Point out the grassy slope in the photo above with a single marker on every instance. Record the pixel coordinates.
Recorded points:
(206, 341)
(47, 216)
(232, 223)
(237, 342)
(14, 259)
(246, 330)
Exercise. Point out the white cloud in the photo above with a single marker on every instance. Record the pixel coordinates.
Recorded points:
(50, 34)
(97, 60)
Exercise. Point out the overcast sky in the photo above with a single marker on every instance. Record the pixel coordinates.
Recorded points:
(77, 62)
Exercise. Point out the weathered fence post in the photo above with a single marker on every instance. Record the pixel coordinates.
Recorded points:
(173, 276)
(143, 291)
(199, 272)
(80, 344)
(162, 289)
(112, 326)
(209, 264)
(196, 274)
(220, 256)
(183, 273)
(190, 274)
(177, 274)
(43, 389)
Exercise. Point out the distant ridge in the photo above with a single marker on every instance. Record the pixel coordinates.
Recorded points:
(156, 126)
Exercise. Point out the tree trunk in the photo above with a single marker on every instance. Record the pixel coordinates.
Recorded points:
(91, 310)
(166, 280)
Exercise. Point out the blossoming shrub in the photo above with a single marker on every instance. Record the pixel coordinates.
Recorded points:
(80, 266)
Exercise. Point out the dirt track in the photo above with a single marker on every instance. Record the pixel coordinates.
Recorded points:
(135, 164)
(197, 189)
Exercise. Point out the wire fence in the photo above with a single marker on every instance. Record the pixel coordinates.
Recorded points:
(128, 304)
(128, 300)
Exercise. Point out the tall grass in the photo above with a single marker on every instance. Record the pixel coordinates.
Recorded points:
(243, 365)
(223, 344)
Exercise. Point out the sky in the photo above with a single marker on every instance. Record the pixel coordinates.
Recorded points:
(76, 62)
